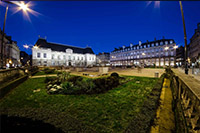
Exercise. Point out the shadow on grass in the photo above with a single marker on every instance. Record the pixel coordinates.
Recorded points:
(24, 125)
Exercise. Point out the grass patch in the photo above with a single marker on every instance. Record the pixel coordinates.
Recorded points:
(43, 73)
(107, 112)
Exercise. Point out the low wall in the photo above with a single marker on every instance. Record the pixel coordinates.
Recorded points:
(11, 85)
(10, 74)
(186, 105)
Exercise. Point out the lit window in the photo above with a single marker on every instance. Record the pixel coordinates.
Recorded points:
(166, 42)
(152, 44)
(171, 42)
(161, 43)
(156, 44)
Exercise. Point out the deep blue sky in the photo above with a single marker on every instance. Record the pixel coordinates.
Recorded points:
(102, 25)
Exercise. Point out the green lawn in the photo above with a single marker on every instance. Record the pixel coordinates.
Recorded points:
(108, 112)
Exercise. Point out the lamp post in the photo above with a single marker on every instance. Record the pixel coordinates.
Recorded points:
(22, 6)
(185, 38)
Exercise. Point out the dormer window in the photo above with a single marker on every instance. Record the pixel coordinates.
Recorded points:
(152, 44)
(70, 51)
(166, 42)
(161, 43)
(144, 46)
(171, 42)
(148, 45)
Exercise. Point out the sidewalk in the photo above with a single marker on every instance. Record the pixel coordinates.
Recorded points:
(193, 82)
(41, 76)
(197, 76)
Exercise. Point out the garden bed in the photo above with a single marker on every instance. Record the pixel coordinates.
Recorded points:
(111, 111)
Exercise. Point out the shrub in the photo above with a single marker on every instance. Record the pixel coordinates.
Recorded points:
(100, 84)
(111, 82)
(49, 79)
(85, 86)
(67, 87)
(48, 71)
(114, 74)
(74, 79)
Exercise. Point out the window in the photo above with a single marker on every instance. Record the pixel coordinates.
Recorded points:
(166, 53)
(156, 44)
(81, 58)
(64, 57)
(58, 56)
(152, 44)
(144, 46)
(148, 45)
(172, 53)
(38, 55)
(52, 56)
(166, 42)
(45, 55)
(161, 43)
(171, 42)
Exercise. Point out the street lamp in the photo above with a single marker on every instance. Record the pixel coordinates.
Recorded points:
(28, 46)
(22, 6)
(185, 38)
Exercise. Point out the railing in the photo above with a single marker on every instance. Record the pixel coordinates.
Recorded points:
(186, 105)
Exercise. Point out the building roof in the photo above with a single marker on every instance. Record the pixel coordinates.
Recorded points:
(145, 44)
(42, 43)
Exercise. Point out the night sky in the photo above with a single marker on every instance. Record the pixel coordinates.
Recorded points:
(102, 25)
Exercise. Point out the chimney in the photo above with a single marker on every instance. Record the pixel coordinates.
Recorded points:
(163, 37)
(140, 42)
(123, 47)
(45, 37)
(131, 45)
(147, 41)
(154, 39)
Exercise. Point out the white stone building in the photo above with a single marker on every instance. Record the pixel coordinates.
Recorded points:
(52, 54)
(155, 53)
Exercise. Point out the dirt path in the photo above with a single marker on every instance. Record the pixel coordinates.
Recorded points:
(165, 116)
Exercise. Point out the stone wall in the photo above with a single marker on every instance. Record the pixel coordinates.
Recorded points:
(186, 105)
(10, 74)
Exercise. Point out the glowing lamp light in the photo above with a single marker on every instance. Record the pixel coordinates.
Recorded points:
(175, 47)
(10, 61)
(166, 48)
(26, 46)
(143, 54)
(36, 47)
(23, 6)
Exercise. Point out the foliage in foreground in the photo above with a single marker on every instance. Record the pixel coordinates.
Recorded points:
(106, 112)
